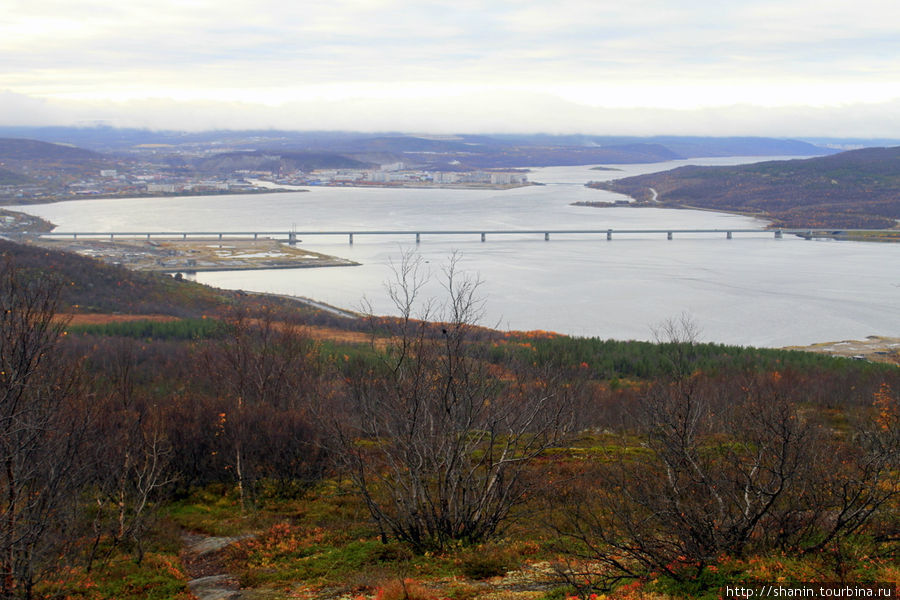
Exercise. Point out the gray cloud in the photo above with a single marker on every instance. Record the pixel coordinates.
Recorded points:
(399, 64)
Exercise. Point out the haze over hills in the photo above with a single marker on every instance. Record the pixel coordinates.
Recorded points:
(853, 189)
(542, 147)
(260, 160)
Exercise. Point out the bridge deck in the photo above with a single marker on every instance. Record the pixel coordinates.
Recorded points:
(418, 233)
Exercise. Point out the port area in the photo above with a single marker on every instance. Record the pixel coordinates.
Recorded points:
(874, 348)
(197, 255)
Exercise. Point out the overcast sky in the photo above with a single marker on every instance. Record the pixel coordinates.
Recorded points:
(711, 67)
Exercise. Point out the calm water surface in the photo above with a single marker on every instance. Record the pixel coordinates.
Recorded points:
(751, 290)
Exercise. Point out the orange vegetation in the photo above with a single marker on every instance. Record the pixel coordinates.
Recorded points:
(103, 319)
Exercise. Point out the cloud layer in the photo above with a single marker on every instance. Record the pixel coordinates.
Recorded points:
(788, 67)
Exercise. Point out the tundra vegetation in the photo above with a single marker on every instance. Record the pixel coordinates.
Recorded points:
(439, 460)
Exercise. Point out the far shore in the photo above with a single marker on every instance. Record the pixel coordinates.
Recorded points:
(269, 190)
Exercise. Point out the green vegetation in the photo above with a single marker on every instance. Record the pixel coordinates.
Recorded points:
(441, 461)
(611, 359)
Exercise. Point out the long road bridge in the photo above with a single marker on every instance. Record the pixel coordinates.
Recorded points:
(293, 236)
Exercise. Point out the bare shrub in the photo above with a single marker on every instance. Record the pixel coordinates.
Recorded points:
(43, 419)
(723, 468)
(267, 373)
(435, 442)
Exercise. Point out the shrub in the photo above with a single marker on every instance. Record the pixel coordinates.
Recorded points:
(404, 589)
(484, 562)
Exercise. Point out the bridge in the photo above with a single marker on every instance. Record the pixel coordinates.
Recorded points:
(293, 236)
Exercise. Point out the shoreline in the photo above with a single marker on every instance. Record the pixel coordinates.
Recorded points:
(874, 348)
(275, 189)
(174, 256)
(10, 202)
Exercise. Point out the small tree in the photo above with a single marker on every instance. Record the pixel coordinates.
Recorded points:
(267, 371)
(438, 445)
(42, 426)
(132, 465)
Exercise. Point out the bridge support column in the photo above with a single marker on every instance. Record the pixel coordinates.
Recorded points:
(292, 238)
(183, 236)
(609, 234)
(483, 237)
(220, 237)
(669, 235)
(778, 234)
(74, 236)
(418, 238)
(728, 236)
(351, 238)
(546, 237)
(255, 236)
(148, 237)
(809, 234)
(111, 237)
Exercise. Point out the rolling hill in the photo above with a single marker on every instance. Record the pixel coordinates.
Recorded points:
(854, 189)
(22, 149)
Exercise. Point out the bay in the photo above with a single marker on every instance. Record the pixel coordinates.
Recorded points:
(750, 290)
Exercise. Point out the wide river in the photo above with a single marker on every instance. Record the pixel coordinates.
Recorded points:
(750, 290)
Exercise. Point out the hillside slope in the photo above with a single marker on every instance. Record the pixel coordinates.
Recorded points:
(95, 287)
(855, 189)
(22, 149)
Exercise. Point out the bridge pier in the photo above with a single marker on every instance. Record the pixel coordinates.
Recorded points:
(148, 237)
(669, 235)
(546, 237)
(418, 238)
(74, 236)
(351, 239)
(483, 237)
(292, 238)
(609, 234)
(184, 236)
(111, 237)
(255, 236)
(728, 236)
(778, 234)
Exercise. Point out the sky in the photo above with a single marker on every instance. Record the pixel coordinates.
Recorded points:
(786, 68)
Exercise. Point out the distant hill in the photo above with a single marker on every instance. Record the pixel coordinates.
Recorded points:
(274, 160)
(680, 146)
(854, 189)
(476, 151)
(22, 149)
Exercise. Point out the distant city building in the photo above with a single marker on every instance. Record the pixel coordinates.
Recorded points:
(445, 177)
(164, 188)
